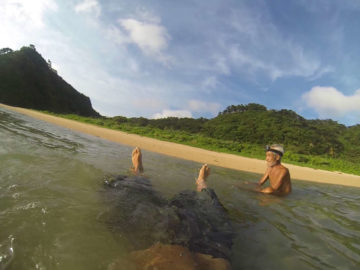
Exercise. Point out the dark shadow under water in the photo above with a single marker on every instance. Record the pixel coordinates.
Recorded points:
(196, 220)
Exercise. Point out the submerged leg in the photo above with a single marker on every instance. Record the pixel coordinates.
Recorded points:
(203, 174)
(136, 158)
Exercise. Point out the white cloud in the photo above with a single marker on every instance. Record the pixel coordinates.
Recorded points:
(321, 72)
(260, 47)
(328, 101)
(151, 38)
(204, 107)
(117, 36)
(89, 6)
(222, 65)
(286, 59)
(152, 104)
(210, 82)
(24, 22)
(28, 13)
(145, 15)
(190, 107)
(173, 113)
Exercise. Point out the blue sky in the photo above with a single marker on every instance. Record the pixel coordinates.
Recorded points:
(193, 58)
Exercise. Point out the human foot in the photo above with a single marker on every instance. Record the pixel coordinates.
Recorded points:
(203, 174)
(136, 158)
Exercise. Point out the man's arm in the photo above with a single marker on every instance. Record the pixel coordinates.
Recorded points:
(265, 177)
(267, 190)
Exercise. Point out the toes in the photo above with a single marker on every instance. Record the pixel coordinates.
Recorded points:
(136, 151)
(206, 169)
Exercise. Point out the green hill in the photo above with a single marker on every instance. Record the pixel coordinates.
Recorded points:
(255, 124)
(27, 80)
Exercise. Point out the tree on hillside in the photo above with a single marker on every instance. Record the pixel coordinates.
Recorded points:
(5, 50)
(243, 108)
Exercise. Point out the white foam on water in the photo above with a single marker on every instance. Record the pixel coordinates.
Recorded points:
(28, 206)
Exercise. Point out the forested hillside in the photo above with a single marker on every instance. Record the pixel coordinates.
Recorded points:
(255, 124)
(27, 80)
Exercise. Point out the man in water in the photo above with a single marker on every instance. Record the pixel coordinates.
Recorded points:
(279, 176)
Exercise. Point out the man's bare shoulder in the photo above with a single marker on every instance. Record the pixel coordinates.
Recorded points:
(282, 169)
(285, 171)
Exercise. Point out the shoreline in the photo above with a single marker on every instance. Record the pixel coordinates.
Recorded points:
(224, 160)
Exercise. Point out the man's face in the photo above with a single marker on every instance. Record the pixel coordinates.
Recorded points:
(270, 158)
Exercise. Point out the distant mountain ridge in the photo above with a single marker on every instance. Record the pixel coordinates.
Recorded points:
(27, 80)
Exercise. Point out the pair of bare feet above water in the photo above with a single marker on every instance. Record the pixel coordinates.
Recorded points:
(137, 168)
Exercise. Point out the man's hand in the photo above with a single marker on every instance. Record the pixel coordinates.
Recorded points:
(267, 190)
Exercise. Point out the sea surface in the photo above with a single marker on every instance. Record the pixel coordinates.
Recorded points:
(51, 205)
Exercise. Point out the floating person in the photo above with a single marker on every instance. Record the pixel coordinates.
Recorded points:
(278, 175)
(190, 231)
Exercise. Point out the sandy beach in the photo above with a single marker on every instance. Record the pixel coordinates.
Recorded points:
(191, 153)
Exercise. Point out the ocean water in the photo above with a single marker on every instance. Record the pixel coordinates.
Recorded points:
(51, 205)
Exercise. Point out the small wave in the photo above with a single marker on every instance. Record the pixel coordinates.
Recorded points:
(30, 205)
(6, 252)
(16, 195)
(12, 187)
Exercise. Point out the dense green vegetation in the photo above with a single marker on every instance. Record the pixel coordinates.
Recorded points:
(27, 80)
(246, 129)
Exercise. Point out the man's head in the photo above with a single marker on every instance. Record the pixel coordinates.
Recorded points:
(274, 154)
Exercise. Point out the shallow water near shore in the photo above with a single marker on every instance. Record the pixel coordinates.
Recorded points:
(51, 205)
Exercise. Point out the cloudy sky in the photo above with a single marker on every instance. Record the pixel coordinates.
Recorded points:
(193, 58)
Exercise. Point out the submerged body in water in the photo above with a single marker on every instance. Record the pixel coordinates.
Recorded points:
(194, 220)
